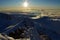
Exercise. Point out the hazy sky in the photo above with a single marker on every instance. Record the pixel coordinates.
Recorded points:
(32, 3)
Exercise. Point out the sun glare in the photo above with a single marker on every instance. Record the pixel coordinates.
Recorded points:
(25, 4)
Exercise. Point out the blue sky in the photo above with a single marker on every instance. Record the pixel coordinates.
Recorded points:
(32, 3)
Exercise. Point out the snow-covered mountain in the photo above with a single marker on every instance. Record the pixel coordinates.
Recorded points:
(16, 24)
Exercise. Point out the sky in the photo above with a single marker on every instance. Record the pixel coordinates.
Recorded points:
(32, 3)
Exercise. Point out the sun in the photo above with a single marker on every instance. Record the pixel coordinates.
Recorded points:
(25, 4)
